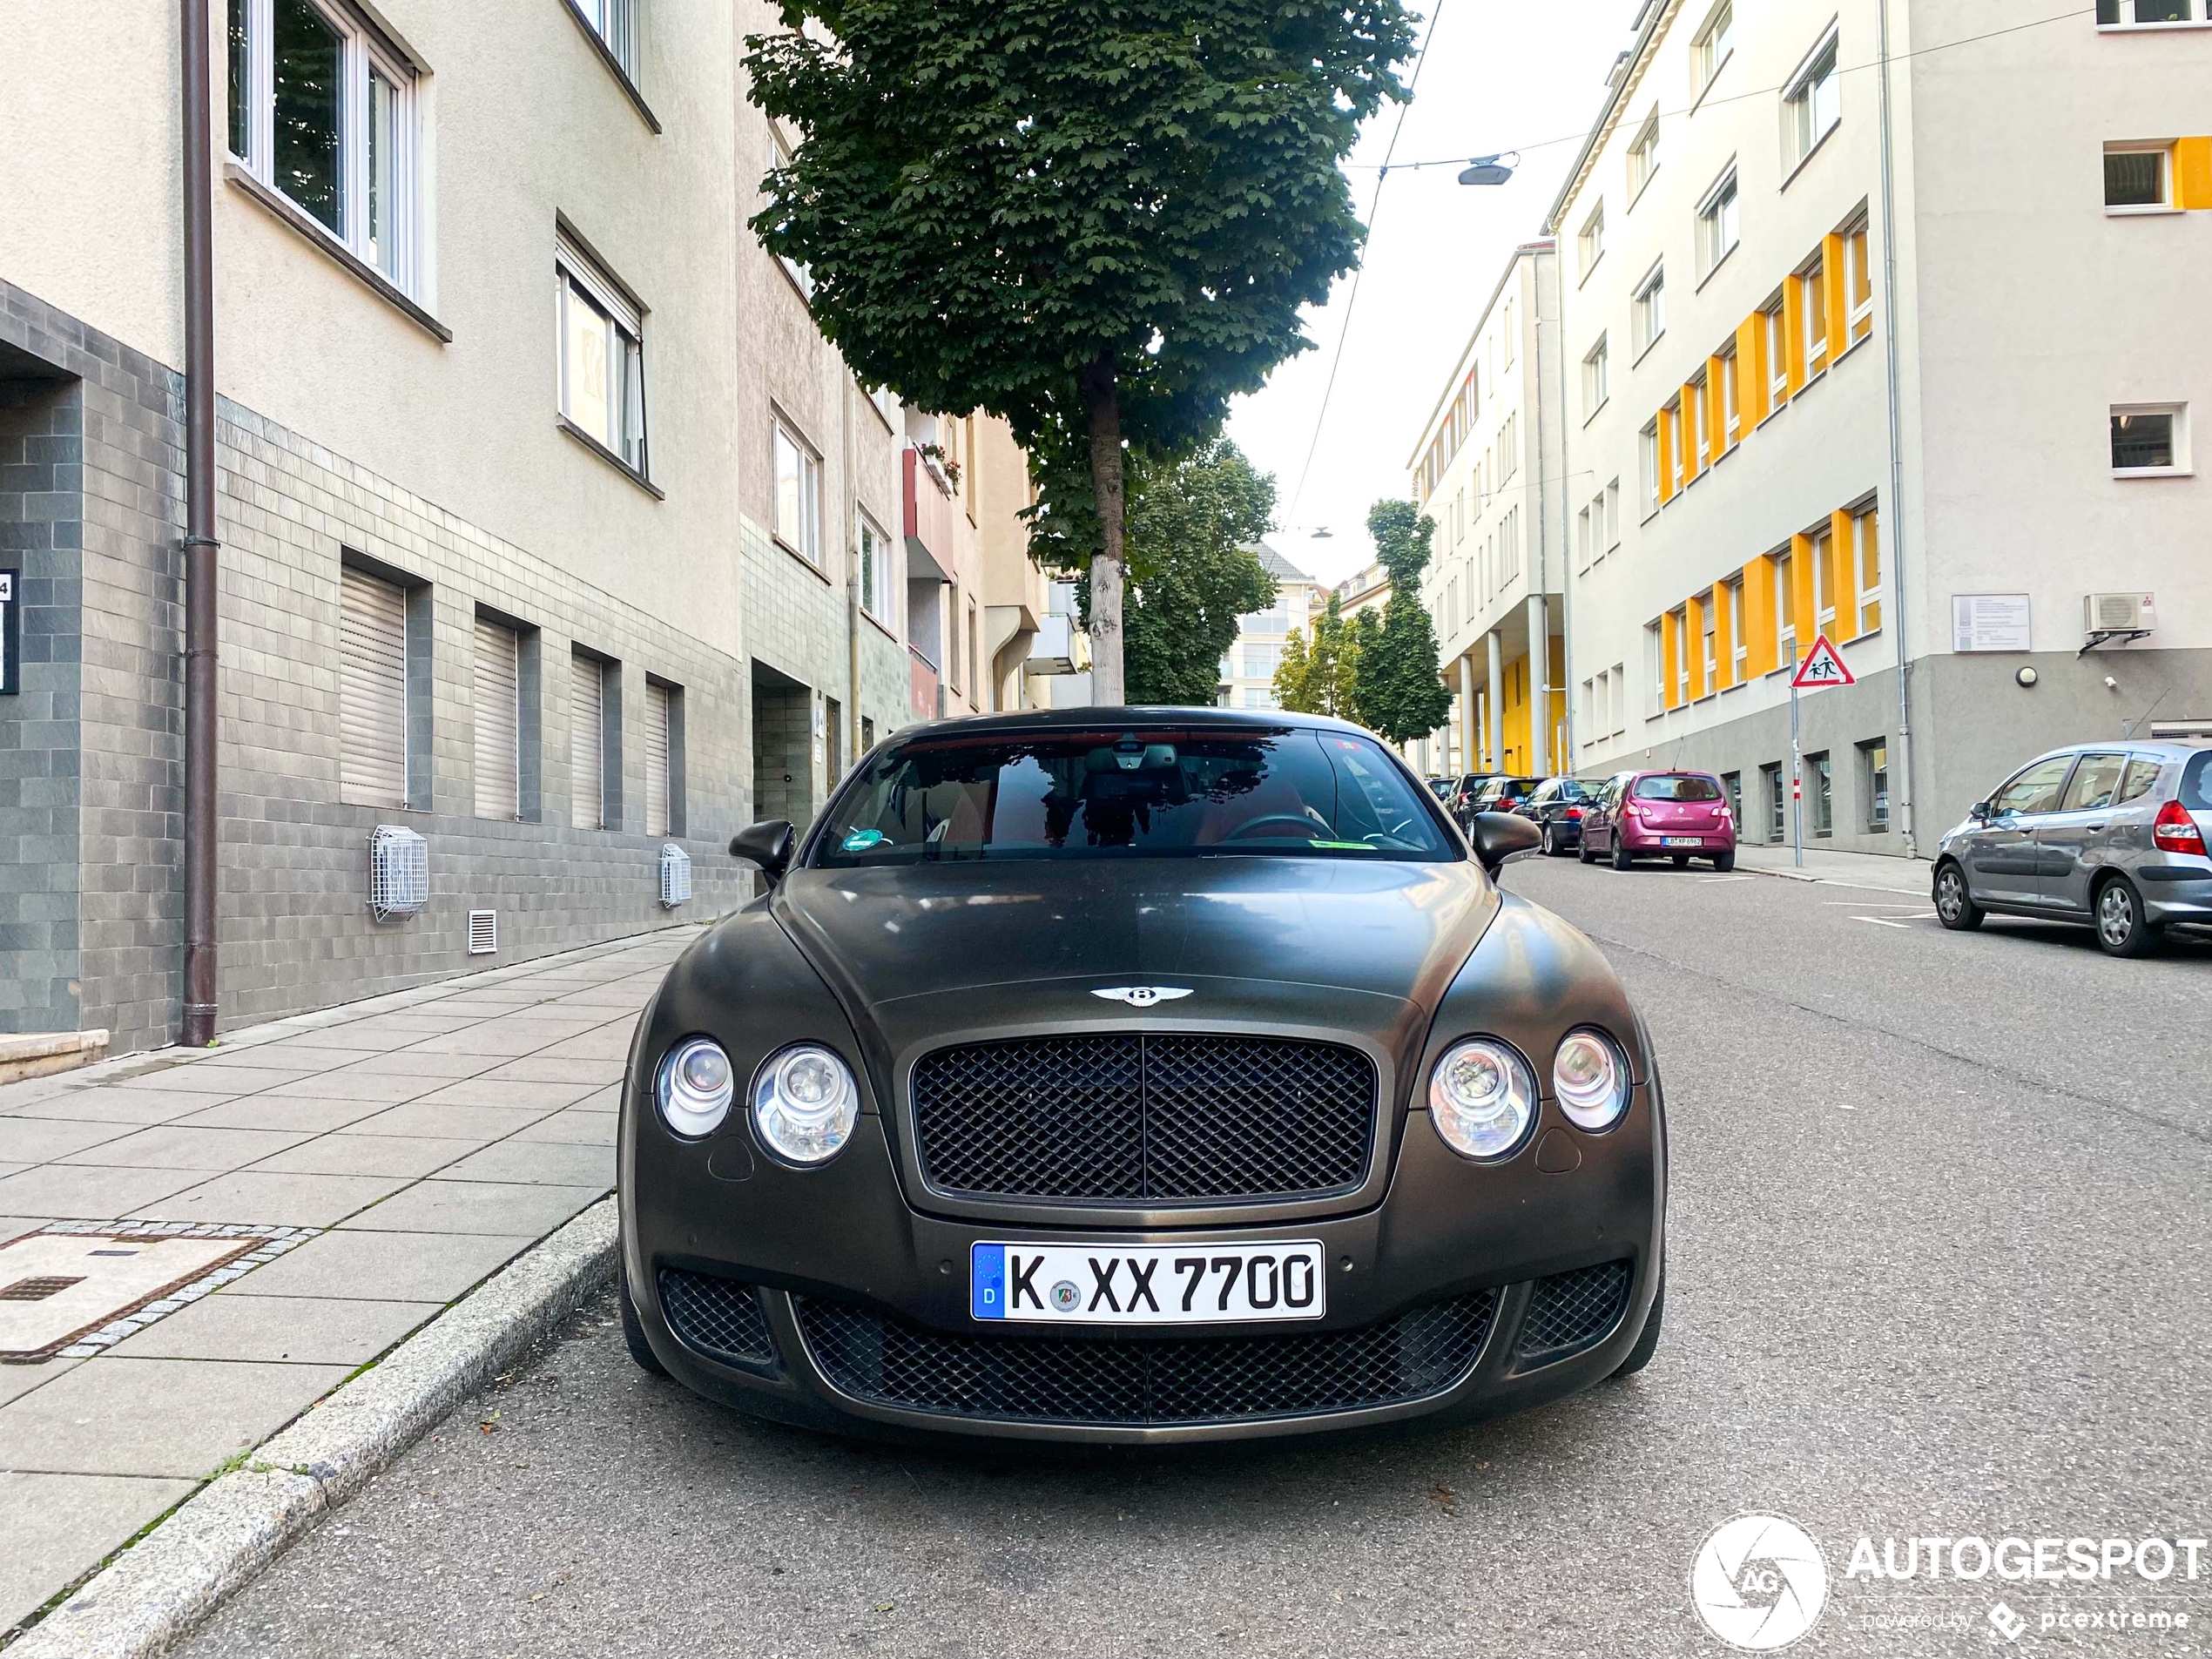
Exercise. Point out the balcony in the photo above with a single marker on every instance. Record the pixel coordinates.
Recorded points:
(927, 697)
(928, 508)
(1059, 648)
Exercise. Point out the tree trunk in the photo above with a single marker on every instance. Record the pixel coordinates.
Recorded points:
(1102, 409)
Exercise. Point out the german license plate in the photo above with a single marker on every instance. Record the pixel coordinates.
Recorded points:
(1682, 841)
(1146, 1284)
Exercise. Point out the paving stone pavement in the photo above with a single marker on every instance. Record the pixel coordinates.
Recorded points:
(381, 1158)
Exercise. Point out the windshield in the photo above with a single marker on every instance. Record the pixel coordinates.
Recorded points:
(1149, 793)
(1677, 786)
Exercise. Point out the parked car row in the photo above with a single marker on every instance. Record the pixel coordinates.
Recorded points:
(1631, 815)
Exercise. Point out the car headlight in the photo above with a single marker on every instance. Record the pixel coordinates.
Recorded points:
(804, 1103)
(694, 1087)
(1591, 1080)
(1482, 1099)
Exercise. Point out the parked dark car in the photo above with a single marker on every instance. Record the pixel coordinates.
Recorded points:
(2107, 834)
(1681, 815)
(1460, 802)
(1556, 807)
(1139, 1075)
(1502, 794)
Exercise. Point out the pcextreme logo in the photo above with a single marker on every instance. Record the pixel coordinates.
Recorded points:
(1758, 1582)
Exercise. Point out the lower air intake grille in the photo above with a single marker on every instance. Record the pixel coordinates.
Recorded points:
(1570, 1312)
(1147, 1383)
(719, 1317)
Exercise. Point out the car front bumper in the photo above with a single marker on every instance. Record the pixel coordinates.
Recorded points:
(1518, 1283)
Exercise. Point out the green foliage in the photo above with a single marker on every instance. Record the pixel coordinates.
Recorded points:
(1316, 678)
(1191, 573)
(1098, 221)
(1396, 686)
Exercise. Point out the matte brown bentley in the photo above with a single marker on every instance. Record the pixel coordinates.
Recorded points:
(1140, 1074)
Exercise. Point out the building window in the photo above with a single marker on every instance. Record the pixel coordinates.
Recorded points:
(2139, 178)
(1613, 515)
(616, 22)
(372, 644)
(1697, 429)
(1732, 783)
(1859, 284)
(799, 494)
(2120, 14)
(663, 766)
(867, 733)
(875, 574)
(2149, 438)
(1508, 333)
(1776, 793)
(603, 357)
(1717, 224)
(1594, 389)
(1648, 450)
(1867, 558)
(1823, 579)
(1713, 45)
(1584, 539)
(1678, 626)
(1649, 309)
(1731, 397)
(1710, 646)
(1812, 104)
(1785, 608)
(780, 160)
(1821, 786)
(591, 695)
(323, 111)
(1675, 463)
(1778, 354)
(1739, 650)
(1812, 304)
(498, 687)
(1874, 784)
(1589, 243)
(1643, 156)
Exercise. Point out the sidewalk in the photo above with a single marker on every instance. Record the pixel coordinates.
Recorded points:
(1874, 870)
(333, 1180)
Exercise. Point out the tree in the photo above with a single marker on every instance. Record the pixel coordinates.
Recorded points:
(1396, 687)
(1096, 221)
(1191, 571)
(1316, 678)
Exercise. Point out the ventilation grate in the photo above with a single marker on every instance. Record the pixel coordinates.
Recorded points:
(675, 875)
(1571, 1312)
(483, 933)
(37, 1290)
(399, 872)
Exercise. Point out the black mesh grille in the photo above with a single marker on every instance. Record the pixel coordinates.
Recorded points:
(719, 1317)
(1572, 1311)
(1145, 1383)
(1165, 1119)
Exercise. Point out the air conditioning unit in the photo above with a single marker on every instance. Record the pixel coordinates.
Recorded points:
(399, 872)
(2104, 615)
(675, 875)
(483, 933)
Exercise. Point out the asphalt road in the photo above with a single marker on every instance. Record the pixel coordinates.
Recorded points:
(1934, 1271)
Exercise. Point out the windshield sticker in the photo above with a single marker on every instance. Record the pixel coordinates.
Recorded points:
(861, 840)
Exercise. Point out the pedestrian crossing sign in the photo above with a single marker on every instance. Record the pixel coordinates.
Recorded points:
(1822, 667)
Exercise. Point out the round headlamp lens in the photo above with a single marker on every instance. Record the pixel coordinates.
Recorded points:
(694, 1087)
(1482, 1099)
(1590, 1080)
(805, 1104)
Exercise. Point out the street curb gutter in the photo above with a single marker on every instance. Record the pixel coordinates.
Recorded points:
(157, 1591)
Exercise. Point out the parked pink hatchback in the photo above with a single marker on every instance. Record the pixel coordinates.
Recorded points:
(1681, 815)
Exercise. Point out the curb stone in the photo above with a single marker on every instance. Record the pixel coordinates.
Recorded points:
(157, 1591)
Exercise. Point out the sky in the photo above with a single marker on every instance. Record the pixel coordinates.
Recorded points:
(1500, 75)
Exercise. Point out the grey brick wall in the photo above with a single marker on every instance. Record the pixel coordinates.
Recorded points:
(90, 756)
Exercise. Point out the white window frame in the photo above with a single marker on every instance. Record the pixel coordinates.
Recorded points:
(1720, 224)
(2181, 467)
(1644, 157)
(1800, 96)
(1712, 46)
(1589, 242)
(780, 157)
(2163, 149)
(804, 535)
(1648, 449)
(579, 278)
(1647, 309)
(1739, 649)
(1868, 587)
(1731, 402)
(1775, 320)
(1613, 515)
(872, 571)
(1596, 383)
(1813, 282)
(363, 52)
(1861, 311)
(616, 24)
(2195, 20)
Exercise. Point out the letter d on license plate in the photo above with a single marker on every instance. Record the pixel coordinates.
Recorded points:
(1147, 1284)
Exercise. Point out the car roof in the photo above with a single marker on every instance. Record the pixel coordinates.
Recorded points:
(2166, 748)
(1091, 719)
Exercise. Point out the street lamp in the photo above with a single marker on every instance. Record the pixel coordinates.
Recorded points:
(1489, 170)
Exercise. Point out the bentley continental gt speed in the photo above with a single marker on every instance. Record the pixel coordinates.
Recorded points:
(1139, 1075)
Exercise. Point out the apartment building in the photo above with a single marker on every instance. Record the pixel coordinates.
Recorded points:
(1851, 338)
(555, 543)
(1248, 666)
(1487, 470)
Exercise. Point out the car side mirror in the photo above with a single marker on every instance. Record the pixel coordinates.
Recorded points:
(1497, 836)
(1980, 812)
(768, 843)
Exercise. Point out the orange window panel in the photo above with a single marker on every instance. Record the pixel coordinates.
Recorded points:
(1793, 337)
(1670, 660)
(1800, 597)
(1764, 653)
(1694, 645)
(1751, 356)
(1833, 269)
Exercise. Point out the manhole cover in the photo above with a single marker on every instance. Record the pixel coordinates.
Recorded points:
(56, 1286)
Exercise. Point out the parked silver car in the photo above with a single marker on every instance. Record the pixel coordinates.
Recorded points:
(2111, 835)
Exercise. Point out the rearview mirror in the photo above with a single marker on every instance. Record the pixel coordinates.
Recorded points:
(768, 843)
(1497, 836)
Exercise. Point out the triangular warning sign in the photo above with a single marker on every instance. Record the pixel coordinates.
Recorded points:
(1822, 667)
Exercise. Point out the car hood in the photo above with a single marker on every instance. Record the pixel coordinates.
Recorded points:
(1014, 938)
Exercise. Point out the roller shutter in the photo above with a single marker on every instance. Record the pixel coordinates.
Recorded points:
(587, 742)
(498, 692)
(372, 691)
(657, 725)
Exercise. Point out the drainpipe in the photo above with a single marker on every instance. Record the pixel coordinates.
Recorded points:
(1904, 774)
(200, 546)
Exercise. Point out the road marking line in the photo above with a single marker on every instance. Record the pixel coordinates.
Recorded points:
(1710, 880)
(1881, 921)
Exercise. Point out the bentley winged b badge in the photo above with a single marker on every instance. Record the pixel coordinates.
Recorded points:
(1143, 997)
